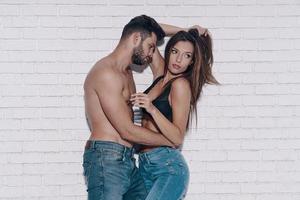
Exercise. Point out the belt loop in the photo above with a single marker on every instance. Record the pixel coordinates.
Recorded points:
(93, 143)
(124, 155)
(168, 149)
(147, 159)
(132, 152)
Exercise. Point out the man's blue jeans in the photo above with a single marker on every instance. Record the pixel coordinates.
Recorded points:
(165, 173)
(110, 172)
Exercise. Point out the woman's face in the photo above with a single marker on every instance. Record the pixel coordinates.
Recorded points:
(181, 56)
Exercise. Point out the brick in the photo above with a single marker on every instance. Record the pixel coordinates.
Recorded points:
(270, 67)
(222, 188)
(9, 10)
(240, 22)
(244, 155)
(43, 10)
(53, 68)
(256, 78)
(236, 90)
(258, 11)
(258, 166)
(10, 147)
(58, 22)
(239, 177)
(19, 90)
(21, 22)
(10, 124)
(71, 191)
(40, 79)
(127, 3)
(59, 179)
(11, 33)
(187, 11)
(42, 191)
(11, 169)
(279, 155)
(289, 10)
(226, 166)
(203, 3)
(241, 2)
(42, 146)
(289, 78)
(289, 100)
(259, 33)
(13, 79)
(35, 102)
(258, 188)
(234, 68)
(11, 192)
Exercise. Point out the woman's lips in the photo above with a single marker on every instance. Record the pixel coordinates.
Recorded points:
(176, 66)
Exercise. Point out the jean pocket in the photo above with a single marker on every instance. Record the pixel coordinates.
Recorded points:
(87, 161)
(112, 156)
(176, 169)
(86, 168)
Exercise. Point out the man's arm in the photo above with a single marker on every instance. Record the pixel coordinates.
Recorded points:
(109, 90)
(171, 30)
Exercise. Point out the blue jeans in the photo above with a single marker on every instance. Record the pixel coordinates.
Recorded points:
(165, 173)
(111, 173)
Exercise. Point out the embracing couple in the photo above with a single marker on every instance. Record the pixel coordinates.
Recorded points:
(167, 105)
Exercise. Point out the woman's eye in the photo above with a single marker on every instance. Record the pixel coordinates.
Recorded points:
(188, 56)
(173, 51)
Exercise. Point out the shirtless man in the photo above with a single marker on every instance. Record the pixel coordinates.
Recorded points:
(109, 165)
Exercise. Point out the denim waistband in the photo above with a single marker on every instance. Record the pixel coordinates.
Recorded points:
(157, 150)
(108, 145)
(148, 155)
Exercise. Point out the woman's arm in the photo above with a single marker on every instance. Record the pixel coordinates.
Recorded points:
(180, 102)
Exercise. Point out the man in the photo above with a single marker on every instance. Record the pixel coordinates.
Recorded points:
(108, 164)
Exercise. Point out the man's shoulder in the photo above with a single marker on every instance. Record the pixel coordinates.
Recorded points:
(103, 69)
(103, 66)
(103, 74)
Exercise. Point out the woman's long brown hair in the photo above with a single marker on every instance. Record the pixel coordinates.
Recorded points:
(199, 72)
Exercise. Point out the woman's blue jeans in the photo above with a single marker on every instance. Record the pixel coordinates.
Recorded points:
(165, 173)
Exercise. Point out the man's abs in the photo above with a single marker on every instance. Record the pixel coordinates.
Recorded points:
(100, 135)
(101, 128)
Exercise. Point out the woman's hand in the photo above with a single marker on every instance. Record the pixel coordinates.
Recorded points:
(142, 100)
(201, 30)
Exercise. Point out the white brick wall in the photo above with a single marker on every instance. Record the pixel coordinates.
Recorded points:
(247, 142)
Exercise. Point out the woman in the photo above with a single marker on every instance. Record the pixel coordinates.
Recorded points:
(167, 106)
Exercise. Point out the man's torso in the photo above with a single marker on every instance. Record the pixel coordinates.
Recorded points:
(100, 126)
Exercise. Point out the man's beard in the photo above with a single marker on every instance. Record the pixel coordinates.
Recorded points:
(138, 56)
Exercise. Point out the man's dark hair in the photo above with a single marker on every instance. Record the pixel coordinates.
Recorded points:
(145, 25)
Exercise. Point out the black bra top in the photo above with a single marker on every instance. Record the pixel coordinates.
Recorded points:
(161, 102)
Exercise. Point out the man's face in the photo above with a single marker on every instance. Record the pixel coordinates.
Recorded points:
(142, 54)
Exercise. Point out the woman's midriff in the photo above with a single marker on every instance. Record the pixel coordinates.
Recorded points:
(148, 123)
